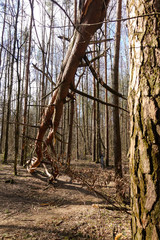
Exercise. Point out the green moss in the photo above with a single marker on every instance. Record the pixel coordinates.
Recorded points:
(150, 133)
(154, 156)
(158, 100)
(153, 80)
(155, 215)
(149, 230)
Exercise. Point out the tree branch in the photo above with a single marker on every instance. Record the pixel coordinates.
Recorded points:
(99, 79)
(97, 100)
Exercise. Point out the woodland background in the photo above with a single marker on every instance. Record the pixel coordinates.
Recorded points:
(64, 80)
(33, 46)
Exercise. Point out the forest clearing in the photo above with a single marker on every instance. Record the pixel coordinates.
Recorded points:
(32, 208)
(80, 119)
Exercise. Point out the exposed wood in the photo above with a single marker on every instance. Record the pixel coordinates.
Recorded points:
(47, 172)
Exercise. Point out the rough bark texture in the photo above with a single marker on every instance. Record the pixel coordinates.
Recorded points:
(144, 103)
(93, 12)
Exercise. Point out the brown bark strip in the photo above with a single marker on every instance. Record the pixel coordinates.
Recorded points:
(86, 6)
(82, 36)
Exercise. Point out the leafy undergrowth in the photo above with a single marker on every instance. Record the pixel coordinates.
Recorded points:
(30, 208)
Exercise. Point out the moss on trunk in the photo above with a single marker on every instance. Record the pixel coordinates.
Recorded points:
(144, 103)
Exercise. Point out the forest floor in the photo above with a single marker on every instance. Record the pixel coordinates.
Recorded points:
(31, 208)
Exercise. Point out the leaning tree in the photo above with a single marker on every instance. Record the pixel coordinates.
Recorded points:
(91, 19)
(144, 104)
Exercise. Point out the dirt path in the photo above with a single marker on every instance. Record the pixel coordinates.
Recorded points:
(30, 208)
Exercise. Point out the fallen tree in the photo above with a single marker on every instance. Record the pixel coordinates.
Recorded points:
(91, 19)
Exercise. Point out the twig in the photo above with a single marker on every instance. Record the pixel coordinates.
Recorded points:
(99, 79)
(71, 173)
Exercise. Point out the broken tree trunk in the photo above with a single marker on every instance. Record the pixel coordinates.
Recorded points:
(91, 19)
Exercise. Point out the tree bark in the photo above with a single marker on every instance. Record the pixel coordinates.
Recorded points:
(98, 141)
(144, 104)
(94, 113)
(3, 108)
(93, 14)
(18, 103)
(69, 150)
(116, 121)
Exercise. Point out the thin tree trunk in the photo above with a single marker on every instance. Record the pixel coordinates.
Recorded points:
(116, 121)
(26, 89)
(69, 150)
(75, 11)
(98, 141)
(3, 108)
(84, 121)
(3, 30)
(94, 115)
(5, 160)
(106, 108)
(77, 134)
(18, 102)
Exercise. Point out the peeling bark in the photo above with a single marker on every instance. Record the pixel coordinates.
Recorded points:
(93, 13)
(144, 104)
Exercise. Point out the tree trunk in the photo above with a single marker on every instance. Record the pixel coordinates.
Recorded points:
(144, 104)
(91, 19)
(94, 113)
(116, 122)
(18, 103)
(26, 89)
(84, 122)
(4, 103)
(69, 150)
(106, 107)
(3, 31)
(5, 160)
(98, 140)
(77, 133)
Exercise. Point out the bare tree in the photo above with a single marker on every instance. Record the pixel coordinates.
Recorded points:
(18, 103)
(11, 83)
(26, 88)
